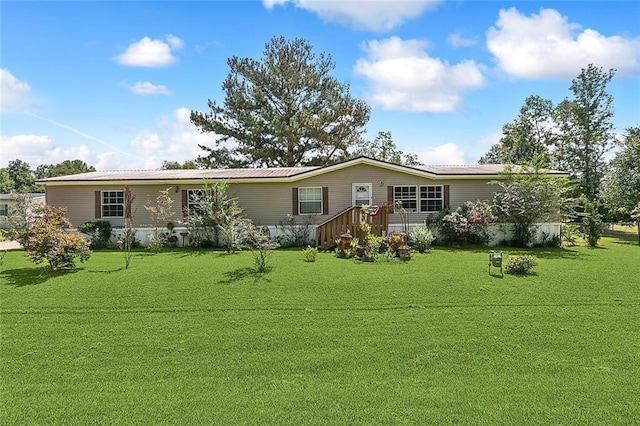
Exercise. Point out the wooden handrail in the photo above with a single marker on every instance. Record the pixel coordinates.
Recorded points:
(336, 215)
(348, 220)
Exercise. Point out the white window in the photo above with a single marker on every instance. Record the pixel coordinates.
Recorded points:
(310, 200)
(195, 199)
(431, 198)
(112, 203)
(4, 209)
(407, 195)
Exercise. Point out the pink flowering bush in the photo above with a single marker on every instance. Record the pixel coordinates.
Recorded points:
(45, 238)
(468, 224)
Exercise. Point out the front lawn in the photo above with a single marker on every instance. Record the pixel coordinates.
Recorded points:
(195, 337)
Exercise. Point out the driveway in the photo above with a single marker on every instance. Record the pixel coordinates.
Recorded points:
(8, 245)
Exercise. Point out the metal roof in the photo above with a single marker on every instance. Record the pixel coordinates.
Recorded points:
(281, 173)
(12, 196)
(478, 169)
(213, 174)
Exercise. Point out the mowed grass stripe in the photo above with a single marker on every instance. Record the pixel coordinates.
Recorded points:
(458, 353)
(196, 338)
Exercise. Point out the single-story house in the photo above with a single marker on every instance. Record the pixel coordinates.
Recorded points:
(8, 201)
(268, 195)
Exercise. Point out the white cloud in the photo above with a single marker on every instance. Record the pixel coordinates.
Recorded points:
(176, 139)
(147, 88)
(548, 45)
(174, 42)
(200, 48)
(151, 53)
(482, 145)
(458, 40)
(113, 161)
(448, 154)
(14, 92)
(41, 149)
(404, 77)
(173, 139)
(146, 140)
(271, 3)
(25, 145)
(489, 140)
(374, 15)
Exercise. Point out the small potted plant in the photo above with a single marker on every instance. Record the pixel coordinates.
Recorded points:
(345, 240)
(404, 252)
(396, 241)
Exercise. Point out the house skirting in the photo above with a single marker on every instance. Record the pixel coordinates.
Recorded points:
(500, 231)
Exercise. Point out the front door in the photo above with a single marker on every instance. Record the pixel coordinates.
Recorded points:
(361, 193)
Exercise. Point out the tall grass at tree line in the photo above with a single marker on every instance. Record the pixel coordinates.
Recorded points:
(192, 337)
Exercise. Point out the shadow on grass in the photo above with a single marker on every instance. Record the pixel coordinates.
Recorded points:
(529, 274)
(241, 274)
(32, 276)
(627, 243)
(106, 271)
(543, 253)
(621, 235)
(188, 252)
(554, 253)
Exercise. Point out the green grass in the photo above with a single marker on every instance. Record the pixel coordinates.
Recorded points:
(189, 337)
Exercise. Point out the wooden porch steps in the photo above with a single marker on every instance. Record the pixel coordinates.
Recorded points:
(328, 232)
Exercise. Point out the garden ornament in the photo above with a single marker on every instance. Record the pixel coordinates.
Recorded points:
(495, 260)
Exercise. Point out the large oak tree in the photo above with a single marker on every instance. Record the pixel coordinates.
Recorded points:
(384, 148)
(585, 130)
(282, 110)
(67, 167)
(527, 138)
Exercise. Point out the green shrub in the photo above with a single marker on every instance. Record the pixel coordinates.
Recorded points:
(520, 265)
(290, 233)
(45, 238)
(420, 238)
(570, 234)
(468, 224)
(309, 254)
(261, 248)
(347, 252)
(592, 221)
(99, 231)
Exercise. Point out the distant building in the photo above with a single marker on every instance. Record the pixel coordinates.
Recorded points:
(8, 201)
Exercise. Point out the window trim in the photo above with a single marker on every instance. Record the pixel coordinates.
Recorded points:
(314, 201)
(189, 203)
(441, 198)
(103, 204)
(417, 197)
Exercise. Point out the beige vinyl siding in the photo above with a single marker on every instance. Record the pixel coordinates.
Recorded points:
(264, 203)
(80, 202)
(340, 189)
(470, 190)
(274, 201)
(268, 203)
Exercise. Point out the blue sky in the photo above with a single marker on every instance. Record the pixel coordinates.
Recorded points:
(113, 83)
